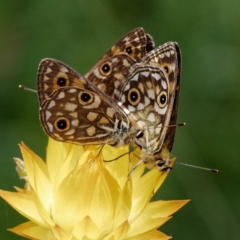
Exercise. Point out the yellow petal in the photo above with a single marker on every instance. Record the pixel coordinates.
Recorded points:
(151, 235)
(58, 153)
(25, 204)
(38, 176)
(145, 224)
(143, 191)
(33, 231)
(86, 227)
(163, 208)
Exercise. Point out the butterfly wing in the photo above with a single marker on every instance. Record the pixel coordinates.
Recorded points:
(97, 120)
(145, 97)
(53, 74)
(150, 93)
(80, 116)
(107, 73)
(135, 43)
(168, 58)
(115, 64)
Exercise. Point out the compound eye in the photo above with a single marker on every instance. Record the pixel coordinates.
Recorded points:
(62, 124)
(139, 134)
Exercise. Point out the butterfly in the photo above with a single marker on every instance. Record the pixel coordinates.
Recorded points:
(146, 98)
(106, 73)
(74, 109)
(151, 95)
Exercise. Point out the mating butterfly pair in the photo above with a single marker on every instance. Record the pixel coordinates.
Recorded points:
(130, 95)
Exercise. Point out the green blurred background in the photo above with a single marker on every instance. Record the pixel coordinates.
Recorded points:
(78, 33)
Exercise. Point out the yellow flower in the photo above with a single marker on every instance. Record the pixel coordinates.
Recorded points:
(71, 197)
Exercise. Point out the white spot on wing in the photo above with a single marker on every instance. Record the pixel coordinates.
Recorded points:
(70, 132)
(91, 131)
(159, 110)
(63, 69)
(161, 55)
(131, 108)
(135, 77)
(47, 115)
(75, 122)
(50, 127)
(72, 90)
(61, 95)
(156, 76)
(164, 84)
(141, 123)
(46, 86)
(92, 116)
(123, 99)
(151, 117)
(140, 106)
(51, 104)
(147, 101)
(46, 78)
(146, 74)
(70, 107)
(167, 54)
(74, 114)
(127, 87)
(126, 63)
(118, 75)
(48, 70)
(151, 93)
(158, 129)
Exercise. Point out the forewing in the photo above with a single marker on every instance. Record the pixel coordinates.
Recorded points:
(109, 75)
(136, 44)
(80, 116)
(53, 74)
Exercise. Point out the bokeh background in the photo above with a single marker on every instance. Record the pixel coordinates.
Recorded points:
(78, 33)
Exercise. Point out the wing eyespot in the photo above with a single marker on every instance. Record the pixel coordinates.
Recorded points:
(106, 69)
(61, 82)
(62, 124)
(85, 98)
(129, 50)
(134, 96)
(162, 99)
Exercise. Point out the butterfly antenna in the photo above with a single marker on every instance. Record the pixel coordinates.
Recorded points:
(175, 125)
(27, 89)
(202, 168)
(178, 125)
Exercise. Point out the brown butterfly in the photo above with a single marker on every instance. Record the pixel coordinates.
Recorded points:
(58, 83)
(106, 73)
(151, 95)
(145, 103)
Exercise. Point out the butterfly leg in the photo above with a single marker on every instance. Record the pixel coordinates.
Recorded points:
(101, 148)
(139, 162)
